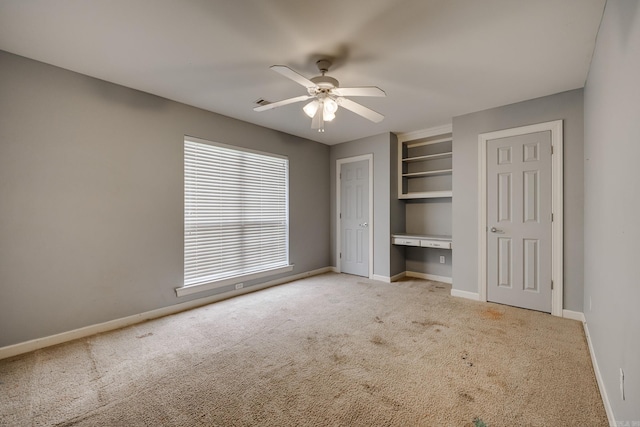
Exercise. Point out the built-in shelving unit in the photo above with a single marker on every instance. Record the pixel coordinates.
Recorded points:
(425, 163)
(425, 174)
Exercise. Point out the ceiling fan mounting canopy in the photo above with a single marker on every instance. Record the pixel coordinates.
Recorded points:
(323, 65)
(326, 95)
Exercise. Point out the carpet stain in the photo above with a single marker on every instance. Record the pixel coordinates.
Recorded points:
(338, 358)
(377, 340)
(378, 320)
(492, 314)
(466, 397)
(392, 403)
(145, 335)
(465, 357)
(370, 389)
(428, 323)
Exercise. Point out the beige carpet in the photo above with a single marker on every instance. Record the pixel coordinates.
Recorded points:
(331, 350)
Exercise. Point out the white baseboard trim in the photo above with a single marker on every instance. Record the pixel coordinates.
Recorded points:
(427, 276)
(465, 294)
(573, 315)
(334, 269)
(38, 343)
(398, 276)
(379, 278)
(596, 369)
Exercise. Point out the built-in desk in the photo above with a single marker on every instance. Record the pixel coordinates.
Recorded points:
(423, 241)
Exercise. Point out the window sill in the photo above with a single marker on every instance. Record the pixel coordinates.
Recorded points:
(201, 287)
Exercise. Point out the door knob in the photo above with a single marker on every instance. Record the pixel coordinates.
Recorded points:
(364, 224)
(495, 230)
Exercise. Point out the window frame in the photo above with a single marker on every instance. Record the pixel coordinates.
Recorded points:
(194, 287)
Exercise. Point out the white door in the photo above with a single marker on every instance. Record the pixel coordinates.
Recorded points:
(519, 221)
(354, 218)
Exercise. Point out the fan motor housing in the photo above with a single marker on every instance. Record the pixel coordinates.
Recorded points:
(325, 82)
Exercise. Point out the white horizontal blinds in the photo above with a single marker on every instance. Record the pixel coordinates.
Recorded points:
(236, 219)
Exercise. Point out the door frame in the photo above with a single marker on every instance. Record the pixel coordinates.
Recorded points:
(557, 225)
(339, 163)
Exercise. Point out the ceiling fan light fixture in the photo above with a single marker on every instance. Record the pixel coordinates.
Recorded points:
(328, 116)
(311, 108)
(330, 106)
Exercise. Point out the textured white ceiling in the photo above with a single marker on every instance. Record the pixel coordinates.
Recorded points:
(435, 59)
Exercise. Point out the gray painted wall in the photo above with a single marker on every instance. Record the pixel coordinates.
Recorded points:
(612, 203)
(429, 216)
(565, 106)
(383, 200)
(91, 198)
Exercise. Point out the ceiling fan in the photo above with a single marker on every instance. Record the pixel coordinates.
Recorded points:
(326, 95)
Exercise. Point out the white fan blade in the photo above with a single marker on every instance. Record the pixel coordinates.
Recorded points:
(290, 74)
(281, 103)
(359, 91)
(361, 110)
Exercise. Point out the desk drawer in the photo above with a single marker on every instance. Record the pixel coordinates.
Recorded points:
(435, 244)
(405, 241)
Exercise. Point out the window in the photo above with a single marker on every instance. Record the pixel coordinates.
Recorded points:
(236, 221)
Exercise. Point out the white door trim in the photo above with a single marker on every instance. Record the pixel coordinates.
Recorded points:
(339, 163)
(557, 240)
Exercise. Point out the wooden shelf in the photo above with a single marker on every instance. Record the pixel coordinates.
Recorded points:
(428, 157)
(432, 141)
(427, 195)
(427, 173)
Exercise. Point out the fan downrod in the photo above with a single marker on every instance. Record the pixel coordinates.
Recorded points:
(325, 83)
